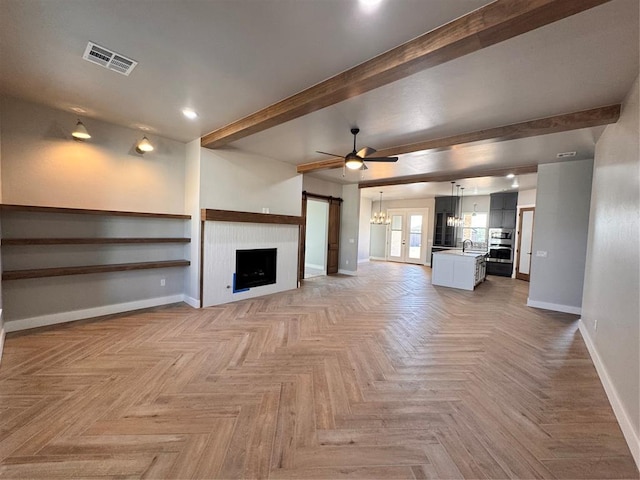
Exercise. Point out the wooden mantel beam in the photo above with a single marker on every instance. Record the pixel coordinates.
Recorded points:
(543, 126)
(486, 26)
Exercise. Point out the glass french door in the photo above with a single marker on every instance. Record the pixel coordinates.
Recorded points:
(407, 234)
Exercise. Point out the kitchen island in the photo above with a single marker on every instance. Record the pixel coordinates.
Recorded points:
(458, 269)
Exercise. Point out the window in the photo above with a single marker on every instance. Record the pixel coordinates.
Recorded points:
(474, 227)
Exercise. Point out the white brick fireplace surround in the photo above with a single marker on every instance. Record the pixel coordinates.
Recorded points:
(225, 232)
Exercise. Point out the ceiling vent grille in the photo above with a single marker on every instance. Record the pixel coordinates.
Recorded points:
(108, 59)
(566, 154)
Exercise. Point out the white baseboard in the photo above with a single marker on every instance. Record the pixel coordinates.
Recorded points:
(63, 317)
(347, 272)
(314, 266)
(192, 302)
(631, 436)
(556, 307)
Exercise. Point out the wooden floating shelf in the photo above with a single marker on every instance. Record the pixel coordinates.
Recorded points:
(63, 271)
(91, 241)
(84, 211)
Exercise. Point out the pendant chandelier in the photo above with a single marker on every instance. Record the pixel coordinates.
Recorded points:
(453, 219)
(380, 218)
(456, 220)
(460, 218)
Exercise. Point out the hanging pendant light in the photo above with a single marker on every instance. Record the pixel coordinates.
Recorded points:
(460, 221)
(451, 220)
(380, 218)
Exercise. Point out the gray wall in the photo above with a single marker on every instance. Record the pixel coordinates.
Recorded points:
(612, 272)
(43, 165)
(364, 230)
(378, 241)
(561, 225)
(349, 226)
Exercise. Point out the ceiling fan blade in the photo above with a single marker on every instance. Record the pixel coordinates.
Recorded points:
(381, 159)
(331, 154)
(365, 151)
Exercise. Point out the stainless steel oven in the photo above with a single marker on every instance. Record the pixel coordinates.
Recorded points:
(501, 245)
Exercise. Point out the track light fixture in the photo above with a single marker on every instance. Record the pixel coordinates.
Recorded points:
(80, 132)
(144, 146)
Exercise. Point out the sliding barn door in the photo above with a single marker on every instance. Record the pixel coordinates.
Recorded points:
(334, 236)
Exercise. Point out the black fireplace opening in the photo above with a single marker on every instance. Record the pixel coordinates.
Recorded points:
(255, 268)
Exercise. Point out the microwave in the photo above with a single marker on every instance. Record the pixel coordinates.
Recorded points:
(500, 234)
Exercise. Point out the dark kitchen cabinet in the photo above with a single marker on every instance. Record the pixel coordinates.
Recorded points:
(443, 235)
(502, 213)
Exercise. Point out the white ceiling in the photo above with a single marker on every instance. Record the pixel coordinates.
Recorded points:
(229, 58)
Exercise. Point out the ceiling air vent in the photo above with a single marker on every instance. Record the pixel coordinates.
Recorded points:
(566, 154)
(108, 59)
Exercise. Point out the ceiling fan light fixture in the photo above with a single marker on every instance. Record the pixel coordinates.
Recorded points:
(353, 162)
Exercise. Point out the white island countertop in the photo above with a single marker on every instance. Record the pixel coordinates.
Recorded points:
(458, 269)
(469, 253)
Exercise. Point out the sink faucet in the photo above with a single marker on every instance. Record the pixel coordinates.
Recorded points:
(465, 243)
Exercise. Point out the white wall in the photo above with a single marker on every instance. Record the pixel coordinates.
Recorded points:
(561, 225)
(192, 207)
(231, 180)
(43, 165)
(612, 274)
(349, 226)
(527, 198)
(321, 187)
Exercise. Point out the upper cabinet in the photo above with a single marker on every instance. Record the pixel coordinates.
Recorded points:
(503, 210)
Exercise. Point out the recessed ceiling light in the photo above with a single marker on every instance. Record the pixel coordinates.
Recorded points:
(369, 4)
(511, 175)
(78, 110)
(189, 113)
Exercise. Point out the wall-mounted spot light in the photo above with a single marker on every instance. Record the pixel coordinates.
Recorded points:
(144, 146)
(80, 132)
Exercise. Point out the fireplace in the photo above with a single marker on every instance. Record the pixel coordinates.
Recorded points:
(255, 268)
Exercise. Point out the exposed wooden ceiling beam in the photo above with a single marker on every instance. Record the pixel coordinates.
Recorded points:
(543, 126)
(450, 176)
(491, 24)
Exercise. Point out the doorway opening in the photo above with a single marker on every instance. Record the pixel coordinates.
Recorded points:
(319, 242)
(407, 235)
(317, 238)
(525, 237)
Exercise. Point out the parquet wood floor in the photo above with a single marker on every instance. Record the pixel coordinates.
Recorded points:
(376, 376)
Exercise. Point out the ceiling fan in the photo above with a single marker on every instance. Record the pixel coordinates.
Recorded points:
(355, 160)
